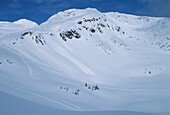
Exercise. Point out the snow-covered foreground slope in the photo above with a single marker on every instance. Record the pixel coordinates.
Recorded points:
(84, 60)
(8, 107)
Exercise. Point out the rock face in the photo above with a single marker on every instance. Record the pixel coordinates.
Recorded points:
(88, 60)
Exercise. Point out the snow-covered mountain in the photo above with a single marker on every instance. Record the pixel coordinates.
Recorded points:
(26, 23)
(85, 60)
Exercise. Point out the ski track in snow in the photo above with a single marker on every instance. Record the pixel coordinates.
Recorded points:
(131, 89)
(47, 69)
(26, 64)
(70, 106)
(29, 68)
(73, 105)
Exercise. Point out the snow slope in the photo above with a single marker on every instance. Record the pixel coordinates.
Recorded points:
(84, 60)
(8, 102)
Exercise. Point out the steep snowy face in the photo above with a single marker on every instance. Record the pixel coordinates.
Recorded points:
(122, 30)
(88, 60)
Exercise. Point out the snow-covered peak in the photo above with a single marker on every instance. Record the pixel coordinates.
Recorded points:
(73, 14)
(76, 12)
(26, 23)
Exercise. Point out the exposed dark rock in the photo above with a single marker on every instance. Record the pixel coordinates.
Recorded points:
(27, 33)
(69, 34)
(79, 22)
(102, 25)
(92, 30)
(117, 28)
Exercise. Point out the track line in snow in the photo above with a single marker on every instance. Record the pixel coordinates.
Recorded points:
(29, 68)
(69, 107)
(73, 105)
(131, 89)
(26, 64)
(47, 69)
(74, 108)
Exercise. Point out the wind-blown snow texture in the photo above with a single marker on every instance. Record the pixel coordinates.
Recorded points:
(84, 60)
